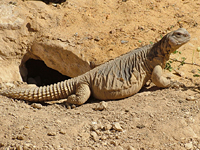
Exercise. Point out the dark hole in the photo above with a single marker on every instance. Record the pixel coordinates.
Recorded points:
(53, 1)
(40, 74)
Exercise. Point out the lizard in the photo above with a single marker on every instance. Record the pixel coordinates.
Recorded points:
(119, 78)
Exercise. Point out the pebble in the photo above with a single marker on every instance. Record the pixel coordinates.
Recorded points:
(51, 133)
(189, 146)
(1, 144)
(198, 49)
(107, 127)
(103, 137)
(190, 98)
(62, 131)
(94, 136)
(101, 106)
(19, 147)
(130, 148)
(20, 137)
(36, 105)
(113, 143)
(116, 126)
(193, 71)
(97, 38)
(140, 126)
(123, 41)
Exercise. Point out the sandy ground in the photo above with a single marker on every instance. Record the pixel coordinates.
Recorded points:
(152, 119)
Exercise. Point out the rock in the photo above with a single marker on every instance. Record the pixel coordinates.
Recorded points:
(9, 18)
(189, 146)
(2, 144)
(116, 126)
(191, 98)
(107, 127)
(97, 38)
(60, 56)
(19, 147)
(36, 105)
(123, 41)
(101, 106)
(103, 137)
(94, 136)
(140, 126)
(62, 131)
(51, 133)
(198, 49)
(130, 148)
(113, 143)
(20, 137)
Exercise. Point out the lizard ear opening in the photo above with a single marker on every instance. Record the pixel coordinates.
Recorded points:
(37, 72)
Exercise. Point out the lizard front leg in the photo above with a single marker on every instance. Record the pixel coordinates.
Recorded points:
(81, 96)
(157, 77)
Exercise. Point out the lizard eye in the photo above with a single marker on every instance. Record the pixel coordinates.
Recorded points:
(178, 34)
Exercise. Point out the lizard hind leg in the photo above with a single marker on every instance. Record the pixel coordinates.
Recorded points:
(81, 96)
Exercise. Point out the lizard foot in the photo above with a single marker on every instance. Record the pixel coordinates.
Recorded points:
(176, 84)
(69, 106)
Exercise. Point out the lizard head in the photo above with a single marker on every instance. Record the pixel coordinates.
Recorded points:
(177, 38)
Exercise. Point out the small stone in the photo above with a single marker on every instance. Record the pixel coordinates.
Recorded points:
(113, 143)
(36, 105)
(189, 146)
(20, 137)
(51, 133)
(97, 38)
(140, 27)
(117, 127)
(101, 106)
(2, 144)
(19, 147)
(198, 146)
(107, 127)
(123, 41)
(94, 136)
(103, 137)
(191, 98)
(62, 131)
(140, 126)
(73, 106)
(193, 71)
(130, 148)
(94, 127)
(198, 49)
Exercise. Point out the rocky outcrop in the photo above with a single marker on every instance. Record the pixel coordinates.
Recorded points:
(29, 30)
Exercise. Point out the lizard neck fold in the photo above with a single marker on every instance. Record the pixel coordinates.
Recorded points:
(160, 52)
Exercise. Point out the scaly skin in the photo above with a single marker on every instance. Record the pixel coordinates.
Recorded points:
(119, 78)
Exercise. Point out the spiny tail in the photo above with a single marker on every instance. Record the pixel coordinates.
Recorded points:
(57, 91)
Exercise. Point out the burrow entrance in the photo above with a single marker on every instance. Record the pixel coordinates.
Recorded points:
(40, 74)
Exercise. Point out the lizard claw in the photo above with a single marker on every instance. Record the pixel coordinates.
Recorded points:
(176, 84)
